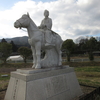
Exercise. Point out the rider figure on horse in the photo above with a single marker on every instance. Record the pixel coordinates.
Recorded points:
(46, 26)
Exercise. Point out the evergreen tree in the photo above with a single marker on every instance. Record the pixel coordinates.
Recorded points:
(25, 52)
(3, 40)
(68, 45)
(92, 44)
(5, 49)
(14, 47)
(91, 57)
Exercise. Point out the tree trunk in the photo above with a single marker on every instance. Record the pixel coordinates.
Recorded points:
(24, 60)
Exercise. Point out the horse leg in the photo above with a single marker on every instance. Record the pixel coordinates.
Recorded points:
(38, 55)
(34, 56)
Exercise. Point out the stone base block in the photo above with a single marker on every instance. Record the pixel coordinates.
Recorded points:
(43, 84)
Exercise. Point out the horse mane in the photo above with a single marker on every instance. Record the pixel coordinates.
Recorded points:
(31, 20)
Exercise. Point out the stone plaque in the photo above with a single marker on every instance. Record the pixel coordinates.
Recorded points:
(56, 85)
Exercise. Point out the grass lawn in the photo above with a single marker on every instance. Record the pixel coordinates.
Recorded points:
(89, 75)
(4, 80)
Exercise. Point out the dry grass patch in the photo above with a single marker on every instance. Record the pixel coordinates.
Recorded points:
(88, 75)
(4, 84)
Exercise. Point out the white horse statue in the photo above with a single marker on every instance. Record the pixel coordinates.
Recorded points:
(36, 39)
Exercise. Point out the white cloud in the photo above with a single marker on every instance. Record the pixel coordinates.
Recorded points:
(71, 18)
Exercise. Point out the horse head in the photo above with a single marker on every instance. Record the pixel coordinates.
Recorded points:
(23, 21)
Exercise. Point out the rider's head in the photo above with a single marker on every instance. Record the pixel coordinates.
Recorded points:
(46, 13)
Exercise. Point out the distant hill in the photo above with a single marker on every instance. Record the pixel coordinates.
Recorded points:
(19, 41)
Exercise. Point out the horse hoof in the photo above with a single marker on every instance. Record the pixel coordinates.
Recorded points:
(60, 63)
(38, 67)
(33, 66)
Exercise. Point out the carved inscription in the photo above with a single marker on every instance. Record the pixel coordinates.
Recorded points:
(49, 88)
(58, 84)
(15, 89)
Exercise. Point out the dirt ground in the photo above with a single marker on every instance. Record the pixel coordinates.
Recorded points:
(85, 90)
(2, 94)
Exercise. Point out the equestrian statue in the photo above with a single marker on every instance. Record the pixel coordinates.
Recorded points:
(42, 38)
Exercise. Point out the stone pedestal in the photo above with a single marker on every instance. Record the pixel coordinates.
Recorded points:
(43, 84)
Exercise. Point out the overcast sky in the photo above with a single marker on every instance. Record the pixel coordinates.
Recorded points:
(71, 18)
